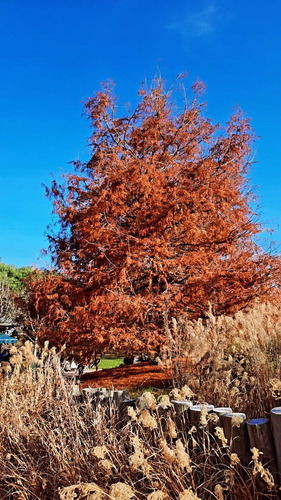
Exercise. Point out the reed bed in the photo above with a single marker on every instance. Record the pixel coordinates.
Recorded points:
(230, 361)
(54, 445)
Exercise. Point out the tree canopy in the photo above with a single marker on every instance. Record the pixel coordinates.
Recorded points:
(158, 223)
(14, 293)
(14, 277)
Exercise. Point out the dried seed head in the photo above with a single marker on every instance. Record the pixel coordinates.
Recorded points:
(168, 453)
(237, 421)
(234, 459)
(147, 420)
(147, 400)
(188, 495)
(157, 495)
(132, 413)
(213, 417)
(219, 492)
(88, 490)
(121, 491)
(186, 392)
(204, 416)
(171, 428)
(165, 402)
(259, 468)
(220, 434)
(100, 451)
(175, 394)
(183, 458)
(107, 465)
(275, 388)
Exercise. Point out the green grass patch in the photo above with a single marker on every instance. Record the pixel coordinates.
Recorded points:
(110, 363)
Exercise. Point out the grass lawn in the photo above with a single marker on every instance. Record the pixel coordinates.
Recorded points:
(110, 363)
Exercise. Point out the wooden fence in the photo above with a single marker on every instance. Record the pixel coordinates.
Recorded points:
(242, 434)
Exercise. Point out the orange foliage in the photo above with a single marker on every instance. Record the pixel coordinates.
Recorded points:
(158, 222)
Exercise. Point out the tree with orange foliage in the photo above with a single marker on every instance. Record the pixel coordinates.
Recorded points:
(158, 223)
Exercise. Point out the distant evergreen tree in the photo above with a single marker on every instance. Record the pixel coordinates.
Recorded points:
(14, 277)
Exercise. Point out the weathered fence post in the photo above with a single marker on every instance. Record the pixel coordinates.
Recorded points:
(276, 428)
(182, 413)
(219, 412)
(260, 437)
(181, 406)
(197, 414)
(120, 396)
(90, 392)
(235, 430)
(123, 411)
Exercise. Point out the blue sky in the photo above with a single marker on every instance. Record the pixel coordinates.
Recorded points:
(54, 54)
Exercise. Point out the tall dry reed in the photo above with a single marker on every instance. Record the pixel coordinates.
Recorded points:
(53, 446)
(229, 361)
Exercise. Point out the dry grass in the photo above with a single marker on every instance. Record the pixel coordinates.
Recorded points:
(236, 360)
(53, 446)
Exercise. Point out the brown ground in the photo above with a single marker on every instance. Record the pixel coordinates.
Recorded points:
(127, 377)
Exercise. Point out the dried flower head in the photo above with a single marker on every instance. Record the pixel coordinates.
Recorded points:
(147, 420)
(107, 465)
(165, 402)
(175, 394)
(186, 392)
(132, 413)
(219, 492)
(88, 490)
(275, 388)
(138, 461)
(168, 453)
(220, 434)
(237, 420)
(204, 416)
(171, 428)
(147, 400)
(157, 495)
(100, 451)
(121, 491)
(213, 417)
(259, 468)
(188, 495)
(183, 458)
(234, 459)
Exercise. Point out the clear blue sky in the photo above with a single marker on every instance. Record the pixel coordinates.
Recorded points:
(54, 54)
